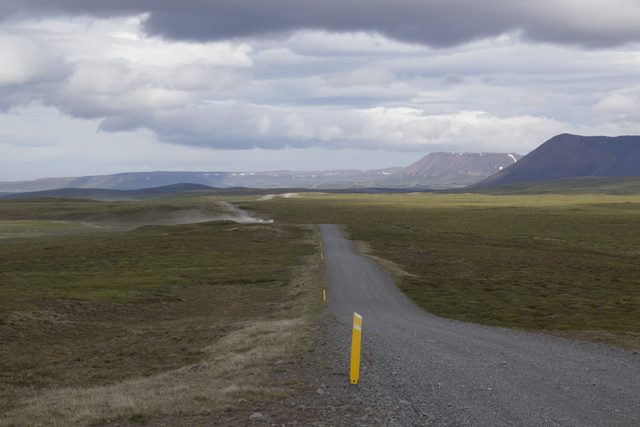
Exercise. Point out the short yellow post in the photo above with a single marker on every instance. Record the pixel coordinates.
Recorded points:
(324, 295)
(355, 349)
(321, 256)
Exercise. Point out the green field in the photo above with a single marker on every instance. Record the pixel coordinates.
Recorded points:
(563, 264)
(95, 304)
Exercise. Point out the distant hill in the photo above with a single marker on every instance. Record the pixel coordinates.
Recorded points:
(271, 179)
(436, 170)
(454, 168)
(106, 194)
(573, 156)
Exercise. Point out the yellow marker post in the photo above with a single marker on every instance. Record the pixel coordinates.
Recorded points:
(355, 350)
(321, 256)
(324, 295)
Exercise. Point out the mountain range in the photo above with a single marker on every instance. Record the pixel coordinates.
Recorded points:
(563, 156)
(436, 170)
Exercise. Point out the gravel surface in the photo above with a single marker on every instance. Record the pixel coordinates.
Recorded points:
(420, 369)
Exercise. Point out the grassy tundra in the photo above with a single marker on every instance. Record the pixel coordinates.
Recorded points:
(126, 310)
(565, 264)
(103, 317)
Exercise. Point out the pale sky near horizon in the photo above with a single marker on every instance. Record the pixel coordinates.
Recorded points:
(100, 87)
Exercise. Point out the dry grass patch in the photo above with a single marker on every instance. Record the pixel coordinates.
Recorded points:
(235, 367)
(228, 367)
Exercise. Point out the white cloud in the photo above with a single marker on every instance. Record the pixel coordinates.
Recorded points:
(22, 60)
(103, 78)
(159, 53)
(407, 128)
(619, 103)
(111, 88)
(245, 126)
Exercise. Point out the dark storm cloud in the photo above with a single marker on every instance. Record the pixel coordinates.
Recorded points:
(436, 22)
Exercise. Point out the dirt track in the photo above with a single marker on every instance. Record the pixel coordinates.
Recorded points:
(435, 371)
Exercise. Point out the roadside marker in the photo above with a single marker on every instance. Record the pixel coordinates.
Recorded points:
(321, 256)
(355, 351)
(324, 295)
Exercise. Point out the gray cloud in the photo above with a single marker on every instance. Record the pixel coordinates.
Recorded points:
(451, 79)
(319, 89)
(436, 23)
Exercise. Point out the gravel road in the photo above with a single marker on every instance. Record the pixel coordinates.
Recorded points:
(435, 371)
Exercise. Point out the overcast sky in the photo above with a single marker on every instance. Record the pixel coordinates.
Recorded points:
(108, 86)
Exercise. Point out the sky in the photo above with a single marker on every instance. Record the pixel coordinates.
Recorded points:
(108, 86)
